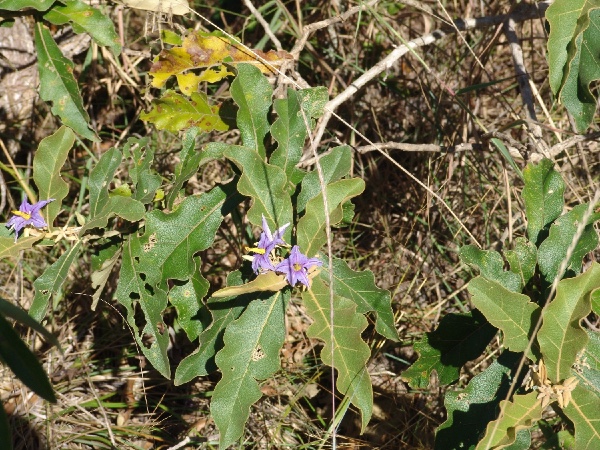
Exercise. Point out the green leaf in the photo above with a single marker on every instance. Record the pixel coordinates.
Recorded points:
(174, 112)
(513, 313)
(47, 163)
(588, 370)
(583, 412)
(7, 309)
(224, 311)
(573, 47)
(522, 259)
(171, 240)
(184, 170)
(124, 207)
(252, 93)
(520, 414)
(562, 232)
(506, 155)
(347, 352)
(145, 180)
(17, 356)
(58, 85)
(265, 185)
(469, 410)
(336, 165)
(136, 294)
(291, 127)
(101, 176)
(50, 282)
(17, 5)
(361, 289)
(311, 227)
(103, 264)
(8, 247)
(543, 197)
(458, 338)
(250, 354)
(491, 266)
(187, 298)
(561, 336)
(85, 19)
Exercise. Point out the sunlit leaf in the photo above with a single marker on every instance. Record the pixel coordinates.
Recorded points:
(47, 164)
(522, 259)
(344, 347)
(16, 5)
(519, 414)
(174, 112)
(543, 197)
(582, 411)
(51, 281)
(478, 402)
(491, 266)
(513, 313)
(588, 368)
(144, 178)
(250, 354)
(561, 336)
(267, 282)
(58, 85)
(86, 19)
(361, 289)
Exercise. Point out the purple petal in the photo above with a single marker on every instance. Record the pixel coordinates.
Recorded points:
(39, 205)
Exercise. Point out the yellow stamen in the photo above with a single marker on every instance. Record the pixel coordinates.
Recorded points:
(260, 251)
(22, 214)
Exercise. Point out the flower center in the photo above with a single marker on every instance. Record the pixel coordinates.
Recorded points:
(22, 214)
(260, 251)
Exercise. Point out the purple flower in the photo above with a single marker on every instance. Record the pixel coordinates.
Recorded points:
(266, 244)
(28, 215)
(296, 266)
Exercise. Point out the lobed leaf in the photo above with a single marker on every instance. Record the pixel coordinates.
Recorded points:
(171, 240)
(522, 259)
(361, 289)
(50, 282)
(252, 93)
(344, 347)
(573, 46)
(561, 336)
(144, 178)
(124, 207)
(135, 294)
(562, 233)
(201, 50)
(224, 311)
(86, 19)
(174, 112)
(336, 164)
(58, 85)
(543, 197)
(582, 411)
(470, 409)
(265, 185)
(311, 227)
(519, 414)
(491, 266)
(250, 354)
(47, 164)
(513, 313)
(189, 161)
(458, 338)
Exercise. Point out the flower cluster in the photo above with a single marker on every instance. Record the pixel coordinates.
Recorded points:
(295, 267)
(28, 215)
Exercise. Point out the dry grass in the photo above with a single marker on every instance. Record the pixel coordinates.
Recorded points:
(401, 233)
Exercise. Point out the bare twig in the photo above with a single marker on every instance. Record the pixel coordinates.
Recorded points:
(562, 146)
(264, 24)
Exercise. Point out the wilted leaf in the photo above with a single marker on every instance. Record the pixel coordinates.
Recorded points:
(266, 282)
(174, 112)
